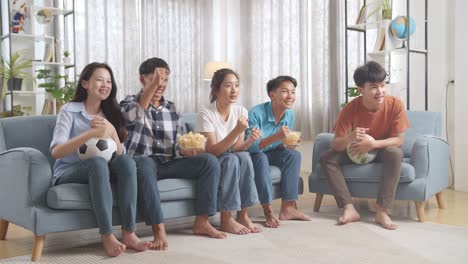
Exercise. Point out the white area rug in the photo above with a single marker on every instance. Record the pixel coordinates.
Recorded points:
(318, 241)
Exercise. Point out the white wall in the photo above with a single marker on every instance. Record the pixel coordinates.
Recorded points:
(460, 142)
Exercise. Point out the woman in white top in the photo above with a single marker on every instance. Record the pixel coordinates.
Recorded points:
(224, 124)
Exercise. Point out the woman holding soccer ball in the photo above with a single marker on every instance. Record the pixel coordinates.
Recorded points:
(95, 113)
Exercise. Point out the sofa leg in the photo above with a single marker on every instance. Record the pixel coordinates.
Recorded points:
(3, 229)
(318, 201)
(37, 248)
(420, 210)
(440, 200)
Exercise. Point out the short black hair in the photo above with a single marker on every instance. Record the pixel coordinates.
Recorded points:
(276, 82)
(149, 65)
(371, 72)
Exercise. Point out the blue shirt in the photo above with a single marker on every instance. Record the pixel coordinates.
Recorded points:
(261, 116)
(72, 120)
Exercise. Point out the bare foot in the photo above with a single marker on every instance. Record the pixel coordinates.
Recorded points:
(230, 225)
(160, 238)
(289, 212)
(349, 215)
(271, 220)
(112, 246)
(130, 240)
(243, 219)
(203, 227)
(382, 218)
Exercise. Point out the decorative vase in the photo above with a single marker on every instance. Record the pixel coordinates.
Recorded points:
(67, 60)
(386, 13)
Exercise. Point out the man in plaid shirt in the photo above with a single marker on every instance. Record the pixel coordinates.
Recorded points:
(154, 125)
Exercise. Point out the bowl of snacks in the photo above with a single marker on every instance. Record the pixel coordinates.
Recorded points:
(192, 141)
(292, 139)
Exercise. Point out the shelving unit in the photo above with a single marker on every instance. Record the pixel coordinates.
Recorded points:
(43, 44)
(388, 57)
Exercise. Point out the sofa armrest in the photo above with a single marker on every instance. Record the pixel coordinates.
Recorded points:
(25, 177)
(430, 158)
(322, 143)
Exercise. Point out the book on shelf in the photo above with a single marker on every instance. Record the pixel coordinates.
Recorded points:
(380, 40)
(361, 19)
(49, 54)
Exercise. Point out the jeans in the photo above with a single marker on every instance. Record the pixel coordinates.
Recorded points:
(237, 186)
(148, 198)
(289, 162)
(98, 174)
(204, 168)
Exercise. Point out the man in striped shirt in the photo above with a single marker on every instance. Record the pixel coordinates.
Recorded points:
(154, 126)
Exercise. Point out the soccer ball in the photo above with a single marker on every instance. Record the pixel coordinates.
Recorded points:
(101, 147)
(362, 158)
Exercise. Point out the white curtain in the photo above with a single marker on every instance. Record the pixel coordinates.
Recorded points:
(124, 33)
(300, 38)
(261, 38)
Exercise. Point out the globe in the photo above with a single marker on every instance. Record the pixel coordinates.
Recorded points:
(398, 27)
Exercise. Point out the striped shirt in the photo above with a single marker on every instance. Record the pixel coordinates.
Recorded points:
(152, 132)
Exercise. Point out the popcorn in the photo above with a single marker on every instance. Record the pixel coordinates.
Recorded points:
(192, 141)
(292, 138)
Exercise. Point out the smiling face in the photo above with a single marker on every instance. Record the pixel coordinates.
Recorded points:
(284, 96)
(373, 94)
(229, 90)
(99, 85)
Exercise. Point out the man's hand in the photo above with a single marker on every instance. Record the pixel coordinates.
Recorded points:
(255, 134)
(190, 152)
(364, 144)
(159, 77)
(282, 133)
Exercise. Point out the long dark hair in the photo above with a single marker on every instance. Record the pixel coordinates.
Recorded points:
(109, 107)
(217, 80)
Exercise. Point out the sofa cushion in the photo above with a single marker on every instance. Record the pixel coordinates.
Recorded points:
(360, 173)
(76, 196)
(275, 174)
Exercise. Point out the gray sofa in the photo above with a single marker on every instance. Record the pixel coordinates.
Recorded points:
(27, 198)
(424, 171)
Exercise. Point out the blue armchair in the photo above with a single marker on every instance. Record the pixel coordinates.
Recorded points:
(424, 171)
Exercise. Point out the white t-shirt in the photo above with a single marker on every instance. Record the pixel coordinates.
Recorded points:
(210, 120)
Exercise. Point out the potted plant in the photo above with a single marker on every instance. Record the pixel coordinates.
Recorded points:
(383, 6)
(59, 87)
(66, 57)
(13, 72)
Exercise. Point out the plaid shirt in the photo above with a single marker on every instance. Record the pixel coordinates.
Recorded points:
(151, 132)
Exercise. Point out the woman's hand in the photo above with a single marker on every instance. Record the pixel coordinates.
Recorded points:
(103, 128)
(242, 124)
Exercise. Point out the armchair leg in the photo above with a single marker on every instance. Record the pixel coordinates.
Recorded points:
(318, 201)
(37, 248)
(420, 210)
(440, 201)
(3, 229)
